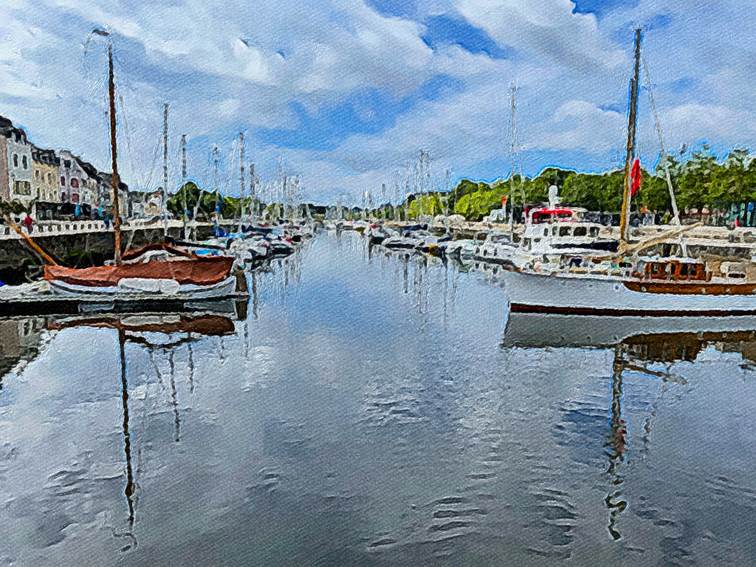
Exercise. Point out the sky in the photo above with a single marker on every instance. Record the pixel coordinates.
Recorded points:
(345, 93)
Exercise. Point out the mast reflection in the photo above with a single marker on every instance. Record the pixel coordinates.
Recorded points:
(140, 330)
(636, 343)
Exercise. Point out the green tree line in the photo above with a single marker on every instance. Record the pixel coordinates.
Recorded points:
(699, 179)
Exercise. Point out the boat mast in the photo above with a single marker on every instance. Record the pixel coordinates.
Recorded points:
(513, 109)
(632, 123)
(241, 179)
(183, 183)
(165, 170)
(116, 180)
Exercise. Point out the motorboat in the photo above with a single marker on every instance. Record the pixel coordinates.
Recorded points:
(497, 248)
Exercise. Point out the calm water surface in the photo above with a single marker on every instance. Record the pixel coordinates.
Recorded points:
(375, 410)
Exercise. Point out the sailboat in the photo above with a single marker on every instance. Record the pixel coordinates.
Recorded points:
(157, 270)
(627, 283)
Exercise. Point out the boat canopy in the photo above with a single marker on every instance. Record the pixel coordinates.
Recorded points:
(550, 214)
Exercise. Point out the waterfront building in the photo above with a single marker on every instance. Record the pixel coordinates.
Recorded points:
(79, 180)
(105, 194)
(70, 174)
(90, 183)
(16, 169)
(45, 167)
(145, 203)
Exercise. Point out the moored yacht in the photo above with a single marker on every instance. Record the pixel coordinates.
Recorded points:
(625, 283)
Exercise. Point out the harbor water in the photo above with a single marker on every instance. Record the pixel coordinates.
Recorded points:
(368, 408)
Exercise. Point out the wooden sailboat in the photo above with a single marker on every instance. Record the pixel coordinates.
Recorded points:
(630, 284)
(153, 271)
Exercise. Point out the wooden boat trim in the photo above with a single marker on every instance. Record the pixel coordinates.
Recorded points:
(691, 288)
(559, 310)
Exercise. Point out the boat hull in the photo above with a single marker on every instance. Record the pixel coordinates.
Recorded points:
(224, 288)
(586, 295)
(199, 271)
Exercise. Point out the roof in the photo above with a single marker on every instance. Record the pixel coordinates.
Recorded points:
(88, 168)
(7, 128)
(45, 156)
(108, 178)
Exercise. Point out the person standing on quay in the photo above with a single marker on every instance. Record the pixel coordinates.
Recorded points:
(28, 223)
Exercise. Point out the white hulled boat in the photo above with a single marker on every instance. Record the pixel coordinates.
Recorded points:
(625, 283)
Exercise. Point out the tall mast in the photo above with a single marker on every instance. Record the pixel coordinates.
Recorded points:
(241, 179)
(513, 126)
(165, 168)
(632, 123)
(114, 160)
(183, 183)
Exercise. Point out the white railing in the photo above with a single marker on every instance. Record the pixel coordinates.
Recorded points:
(54, 228)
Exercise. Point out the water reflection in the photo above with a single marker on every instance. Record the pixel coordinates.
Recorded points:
(636, 343)
(158, 334)
(342, 420)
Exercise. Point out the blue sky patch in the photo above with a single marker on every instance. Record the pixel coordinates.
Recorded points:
(446, 30)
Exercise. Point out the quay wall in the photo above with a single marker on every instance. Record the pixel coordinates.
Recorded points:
(74, 247)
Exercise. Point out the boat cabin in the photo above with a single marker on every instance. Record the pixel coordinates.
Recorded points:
(682, 269)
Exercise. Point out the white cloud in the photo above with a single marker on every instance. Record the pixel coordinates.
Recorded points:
(236, 65)
(545, 29)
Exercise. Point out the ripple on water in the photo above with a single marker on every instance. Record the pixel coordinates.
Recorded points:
(556, 519)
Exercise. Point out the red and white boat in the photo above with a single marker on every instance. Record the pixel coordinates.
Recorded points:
(157, 270)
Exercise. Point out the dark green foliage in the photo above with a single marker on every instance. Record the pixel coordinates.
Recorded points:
(230, 206)
(699, 180)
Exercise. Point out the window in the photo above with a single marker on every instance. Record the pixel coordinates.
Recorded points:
(75, 183)
(49, 178)
(63, 181)
(15, 160)
(66, 163)
(580, 231)
(23, 188)
(564, 231)
(25, 162)
(36, 174)
(594, 231)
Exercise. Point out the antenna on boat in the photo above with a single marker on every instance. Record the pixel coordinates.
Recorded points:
(252, 190)
(216, 158)
(632, 123)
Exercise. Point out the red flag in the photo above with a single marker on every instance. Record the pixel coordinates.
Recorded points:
(503, 201)
(636, 177)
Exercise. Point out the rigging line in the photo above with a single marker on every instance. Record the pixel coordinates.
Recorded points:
(127, 133)
(657, 122)
(148, 180)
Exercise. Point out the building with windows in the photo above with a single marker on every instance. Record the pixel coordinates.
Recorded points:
(90, 183)
(70, 175)
(105, 198)
(16, 169)
(45, 167)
